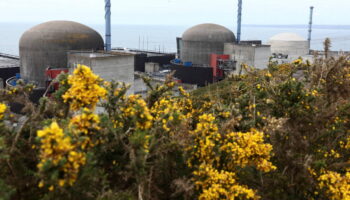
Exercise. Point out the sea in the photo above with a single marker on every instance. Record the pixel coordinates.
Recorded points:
(163, 37)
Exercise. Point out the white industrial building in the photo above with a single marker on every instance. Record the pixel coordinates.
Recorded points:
(256, 55)
(289, 45)
(109, 66)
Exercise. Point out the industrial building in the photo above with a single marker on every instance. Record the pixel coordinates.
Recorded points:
(46, 45)
(200, 41)
(108, 65)
(289, 45)
(55, 46)
(142, 57)
(250, 53)
(201, 54)
(206, 53)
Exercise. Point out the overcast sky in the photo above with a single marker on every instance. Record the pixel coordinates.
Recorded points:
(177, 12)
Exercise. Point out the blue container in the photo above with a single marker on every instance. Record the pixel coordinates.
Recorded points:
(13, 82)
(188, 64)
(177, 60)
(18, 75)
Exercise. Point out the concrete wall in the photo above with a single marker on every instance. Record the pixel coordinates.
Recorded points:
(256, 56)
(293, 49)
(262, 56)
(199, 52)
(116, 67)
(151, 67)
(243, 54)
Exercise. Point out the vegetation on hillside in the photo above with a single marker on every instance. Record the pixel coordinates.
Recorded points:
(278, 133)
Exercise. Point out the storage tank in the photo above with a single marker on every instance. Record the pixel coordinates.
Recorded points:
(290, 44)
(46, 45)
(202, 40)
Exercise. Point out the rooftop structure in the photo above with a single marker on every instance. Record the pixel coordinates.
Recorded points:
(9, 67)
(8, 62)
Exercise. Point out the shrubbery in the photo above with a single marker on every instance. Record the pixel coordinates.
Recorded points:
(279, 133)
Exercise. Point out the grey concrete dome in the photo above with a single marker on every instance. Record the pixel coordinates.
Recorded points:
(209, 33)
(46, 45)
(202, 40)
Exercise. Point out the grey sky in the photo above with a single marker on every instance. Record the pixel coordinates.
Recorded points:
(177, 12)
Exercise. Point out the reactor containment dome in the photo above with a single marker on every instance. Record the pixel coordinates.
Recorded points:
(47, 44)
(290, 44)
(202, 40)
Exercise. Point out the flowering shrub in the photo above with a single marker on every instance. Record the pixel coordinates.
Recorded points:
(85, 128)
(57, 151)
(278, 133)
(217, 157)
(85, 90)
(136, 111)
(335, 185)
(247, 149)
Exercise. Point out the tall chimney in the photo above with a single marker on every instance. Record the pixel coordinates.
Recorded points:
(310, 26)
(108, 43)
(239, 21)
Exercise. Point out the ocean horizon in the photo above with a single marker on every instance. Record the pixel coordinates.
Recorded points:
(163, 37)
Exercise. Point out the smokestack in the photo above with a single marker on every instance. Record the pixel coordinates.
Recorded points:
(108, 43)
(239, 21)
(310, 26)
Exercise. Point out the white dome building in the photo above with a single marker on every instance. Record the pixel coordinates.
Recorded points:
(290, 44)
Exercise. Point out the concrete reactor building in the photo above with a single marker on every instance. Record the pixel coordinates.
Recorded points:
(290, 45)
(46, 45)
(200, 41)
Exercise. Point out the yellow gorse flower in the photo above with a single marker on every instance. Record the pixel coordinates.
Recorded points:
(85, 90)
(2, 110)
(337, 186)
(85, 126)
(297, 61)
(183, 92)
(137, 111)
(214, 180)
(168, 111)
(347, 145)
(58, 151)
(218, 185)
(248, 149)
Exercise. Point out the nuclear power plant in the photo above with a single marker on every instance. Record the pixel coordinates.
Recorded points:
(206, 53)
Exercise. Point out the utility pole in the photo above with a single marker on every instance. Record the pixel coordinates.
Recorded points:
(239, 21)
(108, 39)
(310, 26)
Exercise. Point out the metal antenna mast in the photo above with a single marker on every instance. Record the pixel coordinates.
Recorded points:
(108, 39)
(310, 25)
(239, 21)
